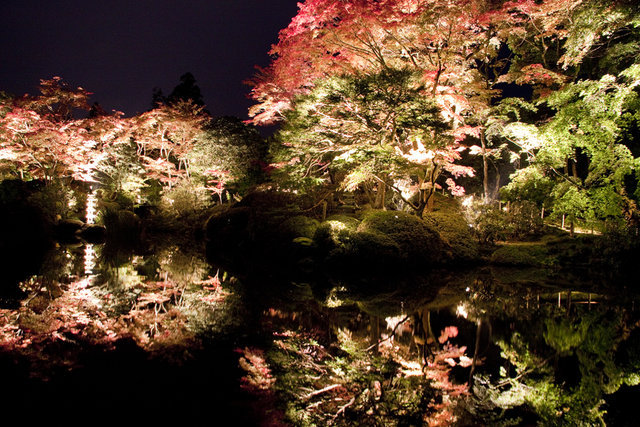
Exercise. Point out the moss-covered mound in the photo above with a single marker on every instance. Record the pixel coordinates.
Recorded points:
(365, 254)
(333, 233)
(264, 232)
(448, 219)
(419, 243)
(525, 254)
(298, 226)
(279, 235)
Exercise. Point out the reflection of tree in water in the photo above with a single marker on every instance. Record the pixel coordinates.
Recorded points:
(83, 304)
(562, 354)
(339, 365)
(531, 354)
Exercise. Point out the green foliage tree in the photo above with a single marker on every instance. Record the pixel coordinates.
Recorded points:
(228, 156)
(372, 131)
(587, 126)
(580, 147)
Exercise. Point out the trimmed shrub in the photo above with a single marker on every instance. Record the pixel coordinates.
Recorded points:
(522, 255)
(448, 219)
(298, 226)
(418, 241)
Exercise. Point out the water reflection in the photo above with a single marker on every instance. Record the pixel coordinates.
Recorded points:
(480, 350)
(87, 314)
(466, 348)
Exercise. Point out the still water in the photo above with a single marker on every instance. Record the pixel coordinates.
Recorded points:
(105, 334)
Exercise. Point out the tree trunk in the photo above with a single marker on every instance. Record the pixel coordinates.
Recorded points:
(476, 351)
(485, 168)
(381, 195)
(496, 190)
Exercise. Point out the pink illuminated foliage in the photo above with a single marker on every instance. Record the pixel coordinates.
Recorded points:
(165, 136)
(42, 139)
(462, 51)
(440, 39)
(440, 42)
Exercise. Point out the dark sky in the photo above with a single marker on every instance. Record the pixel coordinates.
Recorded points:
(121, 49)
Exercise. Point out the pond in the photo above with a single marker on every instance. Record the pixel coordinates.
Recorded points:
(161, 334)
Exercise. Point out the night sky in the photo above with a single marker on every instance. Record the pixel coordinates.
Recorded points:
(121, 49)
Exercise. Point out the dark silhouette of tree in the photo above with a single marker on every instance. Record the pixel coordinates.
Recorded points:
(157, 98)
(96, 110)
(186, 90)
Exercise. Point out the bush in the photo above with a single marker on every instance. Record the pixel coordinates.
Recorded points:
(522, 221)
(453, 227)
(418, 241)
(53, 199)
(186, 198)
(526, 219)
(121, 224)
(522, 255)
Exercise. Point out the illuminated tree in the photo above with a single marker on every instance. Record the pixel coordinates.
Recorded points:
(371, 131)
(440, 43)
(228, 156)
(41, 138)
(335, 38)
(583, 138)
(165, 136)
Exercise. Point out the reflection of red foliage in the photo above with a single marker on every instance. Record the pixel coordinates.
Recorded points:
(448, 332)
(80, 312)
(258, 377)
